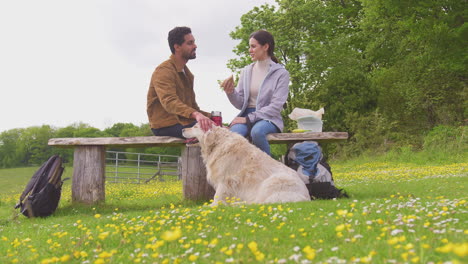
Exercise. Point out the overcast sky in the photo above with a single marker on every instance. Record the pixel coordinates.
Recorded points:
(91, 61)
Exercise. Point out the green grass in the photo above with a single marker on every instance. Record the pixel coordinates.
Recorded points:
(14, 180)
(397, 213)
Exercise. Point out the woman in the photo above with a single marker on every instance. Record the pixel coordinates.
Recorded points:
(261, 92)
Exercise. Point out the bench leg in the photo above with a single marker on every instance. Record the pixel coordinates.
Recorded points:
(88, 174)
(195, 185)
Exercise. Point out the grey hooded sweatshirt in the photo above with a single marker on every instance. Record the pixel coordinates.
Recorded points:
(272, 94)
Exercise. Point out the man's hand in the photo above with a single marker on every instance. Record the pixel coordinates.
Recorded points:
(228, 85)
(204, 122)
(238, 120)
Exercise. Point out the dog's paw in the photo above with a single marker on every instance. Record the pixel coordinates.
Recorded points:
(239, 203)
(216, 203)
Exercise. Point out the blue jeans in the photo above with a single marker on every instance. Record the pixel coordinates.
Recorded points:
(258, 133)
(171, 131)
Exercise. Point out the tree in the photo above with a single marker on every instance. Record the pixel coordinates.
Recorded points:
(34, 142)
(121, 130)
(85, 130)
(417, 50)
(10, 154)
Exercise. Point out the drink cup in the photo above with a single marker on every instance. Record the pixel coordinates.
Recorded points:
(217, 118)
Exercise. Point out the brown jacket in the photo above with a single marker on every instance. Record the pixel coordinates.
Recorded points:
(171, 98)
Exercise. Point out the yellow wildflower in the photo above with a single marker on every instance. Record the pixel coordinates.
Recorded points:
(342, 212)
(446, 248)
(105, 254)
(310, 252)
(392, 241)
(172, 235)
(461, 249)
(103, 235)
(340, 228)
(404, 256)
(65, 258)
(253, 246)
(213, 242)
(99, 261)
(259, 256)
(409, 246)
(365, 260)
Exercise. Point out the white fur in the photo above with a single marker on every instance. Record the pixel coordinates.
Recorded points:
(236, 168)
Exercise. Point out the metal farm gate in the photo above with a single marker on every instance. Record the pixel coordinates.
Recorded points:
(128, 167)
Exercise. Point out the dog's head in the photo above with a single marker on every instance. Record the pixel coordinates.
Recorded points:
(193, 132)
(209, 139)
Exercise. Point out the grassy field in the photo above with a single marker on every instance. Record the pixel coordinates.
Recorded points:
(397, 213)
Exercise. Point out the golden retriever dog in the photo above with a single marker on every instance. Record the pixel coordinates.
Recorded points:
(237, 169)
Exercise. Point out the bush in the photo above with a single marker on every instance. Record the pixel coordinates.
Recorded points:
(446, 143)
(278, 150)
(447, 139)
(441, 145)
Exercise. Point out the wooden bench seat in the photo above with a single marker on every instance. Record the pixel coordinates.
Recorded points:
(88, 182)
(151, 141)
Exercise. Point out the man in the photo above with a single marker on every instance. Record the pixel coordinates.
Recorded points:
(171, 104)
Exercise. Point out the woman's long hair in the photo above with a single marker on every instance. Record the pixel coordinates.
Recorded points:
(264, 37)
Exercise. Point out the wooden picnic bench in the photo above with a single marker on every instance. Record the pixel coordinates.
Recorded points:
(88, 181)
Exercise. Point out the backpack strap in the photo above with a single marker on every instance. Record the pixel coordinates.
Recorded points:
(55, 173)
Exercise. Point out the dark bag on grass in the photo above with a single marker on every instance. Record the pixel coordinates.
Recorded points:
(42, 193)
(307, 159)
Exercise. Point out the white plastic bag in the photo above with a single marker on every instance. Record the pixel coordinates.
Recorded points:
(300, 112)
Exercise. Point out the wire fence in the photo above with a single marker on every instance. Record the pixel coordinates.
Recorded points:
(137, 168)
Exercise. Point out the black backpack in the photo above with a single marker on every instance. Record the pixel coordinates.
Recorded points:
(307, 158)
(42, 193)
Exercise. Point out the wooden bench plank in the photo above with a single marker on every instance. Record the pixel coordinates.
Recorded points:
(281, 138)
(275, 138)
(117, 141)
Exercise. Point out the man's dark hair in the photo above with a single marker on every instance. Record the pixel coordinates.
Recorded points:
(177, 36)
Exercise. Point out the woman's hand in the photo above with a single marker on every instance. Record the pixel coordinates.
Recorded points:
(228, 85)
(238, 120)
